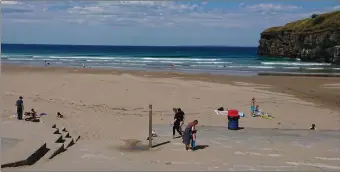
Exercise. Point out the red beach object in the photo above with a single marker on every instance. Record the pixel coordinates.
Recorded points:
(233, 113)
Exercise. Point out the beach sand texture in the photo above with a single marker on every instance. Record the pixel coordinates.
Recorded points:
(110, 106)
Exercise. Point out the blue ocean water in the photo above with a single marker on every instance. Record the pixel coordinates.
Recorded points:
(221, 60)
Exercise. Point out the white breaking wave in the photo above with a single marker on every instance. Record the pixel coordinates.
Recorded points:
(315, 68)
(135, 61)
(178, 59)
(235, 66)
(20, 59)
(208, 66)
(86, 57)
(134, 64)
(182, 63)
(261, 67)
(291, 67)
(170, 62)
(90, 60)
(68, 60)
(295, 63)
(213, 62)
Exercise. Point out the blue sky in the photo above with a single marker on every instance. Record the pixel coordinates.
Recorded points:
(228, 22)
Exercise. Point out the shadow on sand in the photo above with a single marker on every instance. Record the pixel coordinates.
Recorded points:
(160, 144)
(239, 128)
(199, 147)
(133, 145)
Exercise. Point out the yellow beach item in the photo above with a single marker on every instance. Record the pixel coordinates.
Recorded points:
(267, 116)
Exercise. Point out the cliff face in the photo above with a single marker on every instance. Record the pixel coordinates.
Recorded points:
(314, 39)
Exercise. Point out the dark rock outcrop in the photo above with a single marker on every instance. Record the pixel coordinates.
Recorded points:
(315, 39)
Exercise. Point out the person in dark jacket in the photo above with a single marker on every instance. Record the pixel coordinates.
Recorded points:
(178, 120)
(20, 107)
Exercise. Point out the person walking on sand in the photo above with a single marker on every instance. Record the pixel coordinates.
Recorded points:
(20, 107)
(187, 135)
(179, 118)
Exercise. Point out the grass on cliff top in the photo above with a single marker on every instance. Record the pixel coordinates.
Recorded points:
(320, 22)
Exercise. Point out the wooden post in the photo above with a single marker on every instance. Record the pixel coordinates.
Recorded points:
(150, 126)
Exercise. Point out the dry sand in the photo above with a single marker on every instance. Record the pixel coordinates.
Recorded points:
(110, 105)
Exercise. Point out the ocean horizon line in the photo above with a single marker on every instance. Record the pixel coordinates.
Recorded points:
(87, 45)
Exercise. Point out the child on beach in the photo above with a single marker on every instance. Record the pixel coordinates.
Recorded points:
(252, 106)
(253, 101)
(193, 142)
(312, 127)
(32, 116)
(257, 111)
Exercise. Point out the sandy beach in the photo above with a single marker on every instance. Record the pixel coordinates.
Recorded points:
(96, 86)
(109, 105)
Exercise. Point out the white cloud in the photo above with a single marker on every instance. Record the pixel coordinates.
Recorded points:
(27, 21)
(133, 22)
(272, 7)
(154, 13)
(10, 2)
(336, 7)
(86, 10)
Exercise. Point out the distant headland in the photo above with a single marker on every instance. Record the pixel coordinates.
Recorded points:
(313, 39)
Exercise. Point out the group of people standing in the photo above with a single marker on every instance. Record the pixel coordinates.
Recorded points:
(189, 134)
(29, 116)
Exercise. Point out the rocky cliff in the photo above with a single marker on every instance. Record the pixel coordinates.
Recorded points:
(314, 39)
